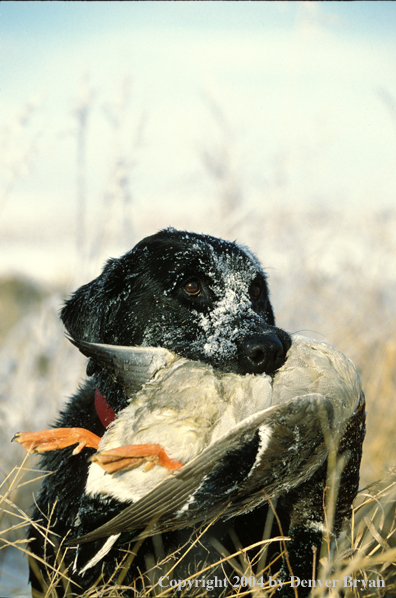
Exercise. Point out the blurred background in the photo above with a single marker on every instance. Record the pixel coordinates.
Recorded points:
(269, 123)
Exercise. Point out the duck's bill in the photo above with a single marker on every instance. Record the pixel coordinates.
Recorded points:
(130, 366)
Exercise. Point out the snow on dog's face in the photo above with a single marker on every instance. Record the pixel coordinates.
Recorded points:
(201, 297)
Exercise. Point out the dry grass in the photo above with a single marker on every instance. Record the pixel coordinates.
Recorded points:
(365, 550)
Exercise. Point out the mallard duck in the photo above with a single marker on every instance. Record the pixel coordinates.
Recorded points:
(202, 417)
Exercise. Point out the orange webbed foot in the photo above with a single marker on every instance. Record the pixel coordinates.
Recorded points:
(133, 455)
(57, 438)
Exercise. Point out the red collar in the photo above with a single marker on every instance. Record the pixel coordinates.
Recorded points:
(105, 413)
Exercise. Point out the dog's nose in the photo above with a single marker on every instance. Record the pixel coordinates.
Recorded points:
(261, 354)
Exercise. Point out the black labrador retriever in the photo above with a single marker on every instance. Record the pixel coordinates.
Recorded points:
(203, 298)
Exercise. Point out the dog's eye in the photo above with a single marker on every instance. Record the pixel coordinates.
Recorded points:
(255, 291)
(193, 287)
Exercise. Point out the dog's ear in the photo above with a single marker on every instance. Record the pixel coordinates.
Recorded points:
(81, 314)
(85, 314)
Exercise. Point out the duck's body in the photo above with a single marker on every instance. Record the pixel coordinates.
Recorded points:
(188, 405)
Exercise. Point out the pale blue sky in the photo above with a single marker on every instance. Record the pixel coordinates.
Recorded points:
(307, 92)
(359, 18)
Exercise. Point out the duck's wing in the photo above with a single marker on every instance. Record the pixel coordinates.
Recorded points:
(132, 367)
(264, 456)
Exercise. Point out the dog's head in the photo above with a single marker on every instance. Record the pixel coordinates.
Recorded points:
(201, 297)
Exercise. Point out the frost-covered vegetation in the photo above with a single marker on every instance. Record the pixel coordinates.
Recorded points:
(332, 275)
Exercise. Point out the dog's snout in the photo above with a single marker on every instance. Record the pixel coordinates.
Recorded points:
(262, 354)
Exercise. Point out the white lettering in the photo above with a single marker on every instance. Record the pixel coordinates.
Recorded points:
(160, 582)
(272, 582)
(210, 583)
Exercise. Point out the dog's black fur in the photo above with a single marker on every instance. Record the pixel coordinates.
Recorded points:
(201, 297)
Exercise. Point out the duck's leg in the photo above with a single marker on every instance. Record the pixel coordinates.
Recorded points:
(57, 438)
(133, 455)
